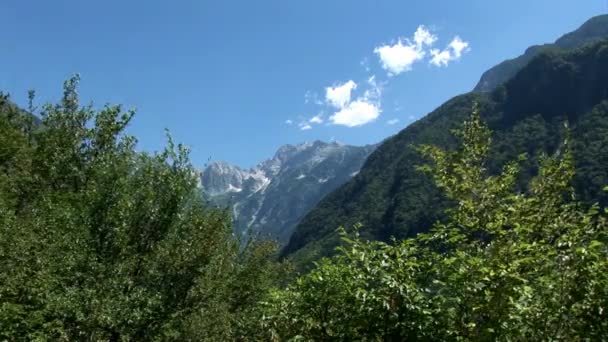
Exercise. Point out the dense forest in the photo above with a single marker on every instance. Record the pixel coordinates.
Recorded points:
(99, 242)
(392, 199)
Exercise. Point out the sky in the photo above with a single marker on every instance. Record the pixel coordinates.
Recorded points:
(235, 80)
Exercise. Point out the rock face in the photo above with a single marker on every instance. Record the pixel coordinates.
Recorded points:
(594, 29)
(220, 178)
(271, 198)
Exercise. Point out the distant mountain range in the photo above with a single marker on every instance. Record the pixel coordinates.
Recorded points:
(525, 101)
(271, 198)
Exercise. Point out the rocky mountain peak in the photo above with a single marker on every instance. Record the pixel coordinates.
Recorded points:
(271, 197)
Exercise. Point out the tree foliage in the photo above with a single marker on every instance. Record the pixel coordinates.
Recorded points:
(101, 242)
(505, 264)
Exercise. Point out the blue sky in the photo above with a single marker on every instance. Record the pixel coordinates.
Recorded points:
(227, 77)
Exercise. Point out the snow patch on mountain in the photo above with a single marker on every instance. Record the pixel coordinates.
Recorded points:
(270, 198)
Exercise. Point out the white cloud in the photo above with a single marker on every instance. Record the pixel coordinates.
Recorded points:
(400, 57)
(288, 122)
(316, 119)
(304, 126)
(440, 58)
(452, 53)
(361, 111)
(365, 64)
(356, 113)
(355, 108)
(339, 95)
(422, 37)
(312, 97)
(458, 46)
(375, 91)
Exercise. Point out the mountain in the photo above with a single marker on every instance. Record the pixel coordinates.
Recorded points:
(594, 29)
(392, 199)
(272, 197)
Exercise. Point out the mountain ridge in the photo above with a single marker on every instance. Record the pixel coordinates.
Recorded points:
(590, 31)
(271, 197)
(392, 199)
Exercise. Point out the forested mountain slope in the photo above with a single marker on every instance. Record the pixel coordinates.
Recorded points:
(594, 29)
(391, 198)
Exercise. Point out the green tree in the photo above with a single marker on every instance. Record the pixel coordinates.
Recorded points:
(505, 264)
(100, 242)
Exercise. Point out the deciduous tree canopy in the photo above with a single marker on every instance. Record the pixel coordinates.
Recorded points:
(100, 242)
